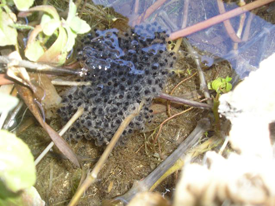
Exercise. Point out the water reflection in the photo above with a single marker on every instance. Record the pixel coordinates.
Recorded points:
(257, 40)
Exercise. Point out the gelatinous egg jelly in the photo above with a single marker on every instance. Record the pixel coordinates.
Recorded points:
(123, 68)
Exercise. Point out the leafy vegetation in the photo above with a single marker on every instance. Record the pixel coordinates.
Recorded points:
(51, 26)
(17, 169)
(220, 85)
(49, 41)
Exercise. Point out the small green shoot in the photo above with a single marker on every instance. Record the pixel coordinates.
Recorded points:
(220, 85)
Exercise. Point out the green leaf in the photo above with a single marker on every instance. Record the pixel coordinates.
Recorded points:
(228, 87)
(27, 197)
(72, 11)
(50, 27)
(8, 35)
(216, 84)
(23, 5)
(7, 102)
(221, 85)
(45, 19)
(17, 169)
(34, 51)
(57, 53)
(79, 26)
(228, 79)
(10, 3)
(71, 39)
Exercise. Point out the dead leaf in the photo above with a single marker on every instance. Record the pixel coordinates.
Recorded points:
(48, 96)
(29, 99)
(61, 144)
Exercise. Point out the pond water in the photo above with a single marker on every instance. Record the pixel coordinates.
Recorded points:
(257, 41)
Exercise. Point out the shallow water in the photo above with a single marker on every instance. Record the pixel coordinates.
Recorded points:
(214, 43)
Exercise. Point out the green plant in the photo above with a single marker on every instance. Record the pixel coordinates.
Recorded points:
(51, 27)
(220, 85)
(17, 169)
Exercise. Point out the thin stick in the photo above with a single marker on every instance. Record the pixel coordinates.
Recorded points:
(69, 83)
(175, 115)
(228, 27)
(93, 175)
(185, 101)
(78, 113)
(247, 27)
(195, 57)
(136, 6)
(184, 80)
(241, 26)
(39, 67)
(218, 19)
(149, 11)
(224, 145)
(185, 13)
(177, 46)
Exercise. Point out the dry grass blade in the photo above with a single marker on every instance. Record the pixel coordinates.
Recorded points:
(78, 113)
(69, 83)
(93, 175)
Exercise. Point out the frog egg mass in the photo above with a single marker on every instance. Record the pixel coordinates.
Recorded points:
(123, 68)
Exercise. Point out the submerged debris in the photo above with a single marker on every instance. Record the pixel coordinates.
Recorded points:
(123, 68)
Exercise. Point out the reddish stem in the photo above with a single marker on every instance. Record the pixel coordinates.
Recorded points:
(185, 13)
(149, 11)
(228, 27)
(4, 80)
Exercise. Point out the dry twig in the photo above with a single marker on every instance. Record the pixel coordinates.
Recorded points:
(185, 101)
(195, 57)
(36, 67)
